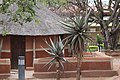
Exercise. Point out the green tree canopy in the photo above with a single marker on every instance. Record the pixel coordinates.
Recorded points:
(24, 10)
(53, 2)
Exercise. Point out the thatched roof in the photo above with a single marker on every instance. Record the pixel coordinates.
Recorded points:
(49, 24)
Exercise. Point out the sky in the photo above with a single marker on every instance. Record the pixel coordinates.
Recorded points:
(104, 1)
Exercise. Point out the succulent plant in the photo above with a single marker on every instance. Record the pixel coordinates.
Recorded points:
(56, 52)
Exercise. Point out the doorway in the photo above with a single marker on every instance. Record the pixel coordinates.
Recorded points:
(17, 49)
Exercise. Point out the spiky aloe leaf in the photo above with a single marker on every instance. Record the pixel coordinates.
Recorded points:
(61, 65)
(48, 51)
(56, 52)
(53, 45)
(48, 44)
(51, 62)
(63, 59)
(60, 43)
(69, 25)
(81, 21)
(77, 31)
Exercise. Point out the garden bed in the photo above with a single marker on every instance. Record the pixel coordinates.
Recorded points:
(96, 62)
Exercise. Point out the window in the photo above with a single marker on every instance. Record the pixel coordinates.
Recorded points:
(109, 29)
(92, 29)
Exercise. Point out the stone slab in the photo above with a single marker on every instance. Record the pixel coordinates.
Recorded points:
(68, 74)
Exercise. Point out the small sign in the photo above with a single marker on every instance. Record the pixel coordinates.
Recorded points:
(21, 60)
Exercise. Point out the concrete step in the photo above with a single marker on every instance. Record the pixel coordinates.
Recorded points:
(99, 73)
(14, 75)
(29, 68)
(43, 75)
(85, 73)
(4, 75)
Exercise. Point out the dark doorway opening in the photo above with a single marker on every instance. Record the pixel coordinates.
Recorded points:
(17, 49)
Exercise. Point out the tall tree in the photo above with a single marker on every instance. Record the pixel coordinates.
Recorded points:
(110, 36)
(53, 2)
(76, 28)
(23, 10)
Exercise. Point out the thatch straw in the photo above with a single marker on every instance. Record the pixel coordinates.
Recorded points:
(49, 24)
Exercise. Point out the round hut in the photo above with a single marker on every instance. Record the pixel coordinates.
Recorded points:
(25, 40)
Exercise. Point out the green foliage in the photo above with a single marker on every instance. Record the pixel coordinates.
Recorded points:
(53, 2)
(56, 52)
(24, 12)
(99, 39)
(92, 48)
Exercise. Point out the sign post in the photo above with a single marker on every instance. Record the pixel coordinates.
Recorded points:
(21, 68)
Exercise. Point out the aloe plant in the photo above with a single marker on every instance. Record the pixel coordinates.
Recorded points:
(76, 29)
(56, 51)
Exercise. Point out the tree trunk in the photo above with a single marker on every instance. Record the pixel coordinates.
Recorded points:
(0, 54)
(78, 70)
(79, 62)
(57, 71)
(106, 44)
(114, 39)
(105, 34)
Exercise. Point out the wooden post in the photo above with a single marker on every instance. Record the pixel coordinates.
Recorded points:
(1, 44)
(34, 52)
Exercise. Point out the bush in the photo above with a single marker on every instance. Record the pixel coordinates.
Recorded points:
(92, 48)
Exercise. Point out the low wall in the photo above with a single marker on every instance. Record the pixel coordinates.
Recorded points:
(88, 63)
(113, 53)
(5, 68)
(95, 63)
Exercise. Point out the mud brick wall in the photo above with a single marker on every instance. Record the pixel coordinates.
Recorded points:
(88, 63)
(5, 66)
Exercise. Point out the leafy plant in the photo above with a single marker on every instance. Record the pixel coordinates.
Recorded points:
(24, 10)
(92, 48)
(54, 3)
(57, 53)
(76, 29)
(99, 41)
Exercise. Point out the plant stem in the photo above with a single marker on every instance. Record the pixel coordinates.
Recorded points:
(58, 71)
(78, 68)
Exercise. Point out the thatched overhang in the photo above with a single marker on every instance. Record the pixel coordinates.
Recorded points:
(49, 24)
